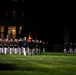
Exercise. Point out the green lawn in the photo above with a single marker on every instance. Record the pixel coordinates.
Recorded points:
(45, 64)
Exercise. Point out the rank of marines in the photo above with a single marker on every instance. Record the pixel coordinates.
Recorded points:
(22, 46)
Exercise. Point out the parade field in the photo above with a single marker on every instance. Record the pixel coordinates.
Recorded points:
(48, 63)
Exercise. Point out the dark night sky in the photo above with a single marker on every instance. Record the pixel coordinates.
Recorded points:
(47, 19)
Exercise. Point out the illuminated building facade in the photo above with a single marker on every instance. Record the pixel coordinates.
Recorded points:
(13, 15)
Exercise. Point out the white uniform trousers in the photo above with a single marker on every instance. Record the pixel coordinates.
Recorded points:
(74, 50)
(43, 49)
(65, 50)
(24, 51)
(5, 50)
(19, 50)
(10, 51)
(0, 50)
(15, 50)
(70, 50)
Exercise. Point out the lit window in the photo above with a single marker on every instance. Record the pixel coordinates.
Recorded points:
(22, 14)
(5, 13)
(2, 35)
(14, 14)
(20, 28)
(2, 28)
(1, 31)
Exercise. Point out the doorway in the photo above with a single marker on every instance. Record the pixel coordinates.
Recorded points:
(12, 32)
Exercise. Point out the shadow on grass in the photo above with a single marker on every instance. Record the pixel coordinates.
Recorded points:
(6, 66)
